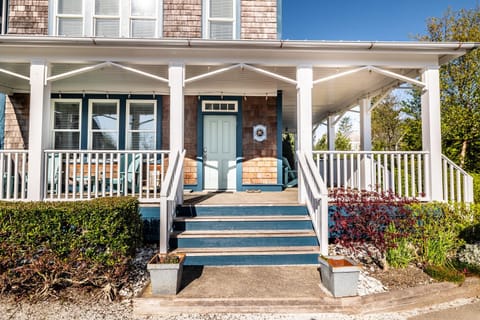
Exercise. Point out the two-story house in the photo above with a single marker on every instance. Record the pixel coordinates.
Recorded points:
(101, 96)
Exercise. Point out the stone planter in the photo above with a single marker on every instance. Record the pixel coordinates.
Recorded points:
(165, 276)
(339, 275)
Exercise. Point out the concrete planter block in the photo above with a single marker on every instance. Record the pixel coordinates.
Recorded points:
(165, 278)
(339, 275)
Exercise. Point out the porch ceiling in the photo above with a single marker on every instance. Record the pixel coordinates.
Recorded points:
(203, 56)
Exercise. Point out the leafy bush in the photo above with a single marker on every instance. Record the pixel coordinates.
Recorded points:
(49, 245)
(470, 254)
(437, 234)
(476, 187)
(363, 216)
(400, 253)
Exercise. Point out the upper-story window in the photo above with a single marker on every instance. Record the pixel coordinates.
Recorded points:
(3, 16)
(221, 19)
(106, 18)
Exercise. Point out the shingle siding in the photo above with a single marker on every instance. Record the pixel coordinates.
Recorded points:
(28, 17)
(182, 19)
(258, 19)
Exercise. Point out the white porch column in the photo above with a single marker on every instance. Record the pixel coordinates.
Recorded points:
(366, 143)
(431, 131)
(365, 125)
(304, 118)
(331, 135)
(38, 128)
(176, 78)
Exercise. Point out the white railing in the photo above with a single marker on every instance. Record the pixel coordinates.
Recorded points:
(87, 174)
(404, 173)
(13, 171)
(171, 196)
(316, 200)
(457, 183)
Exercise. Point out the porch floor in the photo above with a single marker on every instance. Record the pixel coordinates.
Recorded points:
(287, 197)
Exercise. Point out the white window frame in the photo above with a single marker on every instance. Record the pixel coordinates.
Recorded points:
(205, 102)
(54, 16)
(91, 131)
(52, 120)
(88, 18)
(3, 17)
(127, 124)
(235, 20)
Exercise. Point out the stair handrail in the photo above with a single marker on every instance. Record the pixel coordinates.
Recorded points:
(317, 198)
(169, 196)
(455, 192)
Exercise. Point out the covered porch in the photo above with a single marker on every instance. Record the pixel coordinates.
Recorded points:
(134, 102)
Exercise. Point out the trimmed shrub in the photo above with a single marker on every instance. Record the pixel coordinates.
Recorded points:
(46, 246)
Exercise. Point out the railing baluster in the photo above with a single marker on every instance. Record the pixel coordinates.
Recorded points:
(452, 191)
(412, 173)
(345, 164)
(459, 187)
(399, 175)
(419, 177)
(67, 173)
(24, 175)
(9, 176)
(392, 173)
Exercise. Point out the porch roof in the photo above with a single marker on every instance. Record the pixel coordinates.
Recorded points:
(353, 59)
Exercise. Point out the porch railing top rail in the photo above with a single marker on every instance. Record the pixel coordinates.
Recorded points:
(454, 165)
(104, 151)
(368, 152)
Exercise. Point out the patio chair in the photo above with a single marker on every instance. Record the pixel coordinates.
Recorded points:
(125, 178)
(289, 175)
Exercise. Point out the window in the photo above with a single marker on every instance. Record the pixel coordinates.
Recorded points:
(221, 19)
(107, 18)
(103, 124)
(219, 106)
(69, 18)
(141, 124)
(66, 124)
(3, 16)
(142, 18)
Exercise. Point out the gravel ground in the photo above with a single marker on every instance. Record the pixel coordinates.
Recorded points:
(58, 310)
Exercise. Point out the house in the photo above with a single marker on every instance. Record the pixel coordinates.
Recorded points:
(100, 98)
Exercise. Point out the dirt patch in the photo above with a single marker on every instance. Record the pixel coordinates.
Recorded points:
(408, 277)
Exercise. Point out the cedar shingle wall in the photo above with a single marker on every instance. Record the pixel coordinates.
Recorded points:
(259, 19)
(260, 158)
(182, 19)
(28, 17)
(17, 114)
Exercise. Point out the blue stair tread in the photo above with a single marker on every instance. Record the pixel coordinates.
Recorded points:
(195, 211)
(243, 223)
(269, 259)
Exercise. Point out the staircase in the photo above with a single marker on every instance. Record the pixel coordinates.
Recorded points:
(245, 235)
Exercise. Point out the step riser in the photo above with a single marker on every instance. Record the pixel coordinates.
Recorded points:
(242, 225)
(241, 211)
(283, 259)
(242, 242)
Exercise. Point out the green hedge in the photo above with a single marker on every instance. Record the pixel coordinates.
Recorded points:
(79, 242)
(476, 187)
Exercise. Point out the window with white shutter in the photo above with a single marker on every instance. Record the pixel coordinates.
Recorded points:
(221, 20)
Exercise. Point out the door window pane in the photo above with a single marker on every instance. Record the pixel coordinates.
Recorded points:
(67, 140)
(141, 141)
(104, 141)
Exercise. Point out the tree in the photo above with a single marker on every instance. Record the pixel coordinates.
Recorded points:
(342, 137)
(412, 121)
(387, 125)
(460, 87)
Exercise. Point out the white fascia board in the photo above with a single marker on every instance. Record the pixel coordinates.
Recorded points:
(317, 53)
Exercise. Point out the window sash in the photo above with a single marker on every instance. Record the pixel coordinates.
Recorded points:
(108, 133)
(58, 132)
(148, 132)
(214, 21)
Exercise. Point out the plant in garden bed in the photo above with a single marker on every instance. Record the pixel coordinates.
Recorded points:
(48, 246)
(365, 217)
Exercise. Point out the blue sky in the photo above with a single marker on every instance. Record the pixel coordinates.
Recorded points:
(381, 20)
